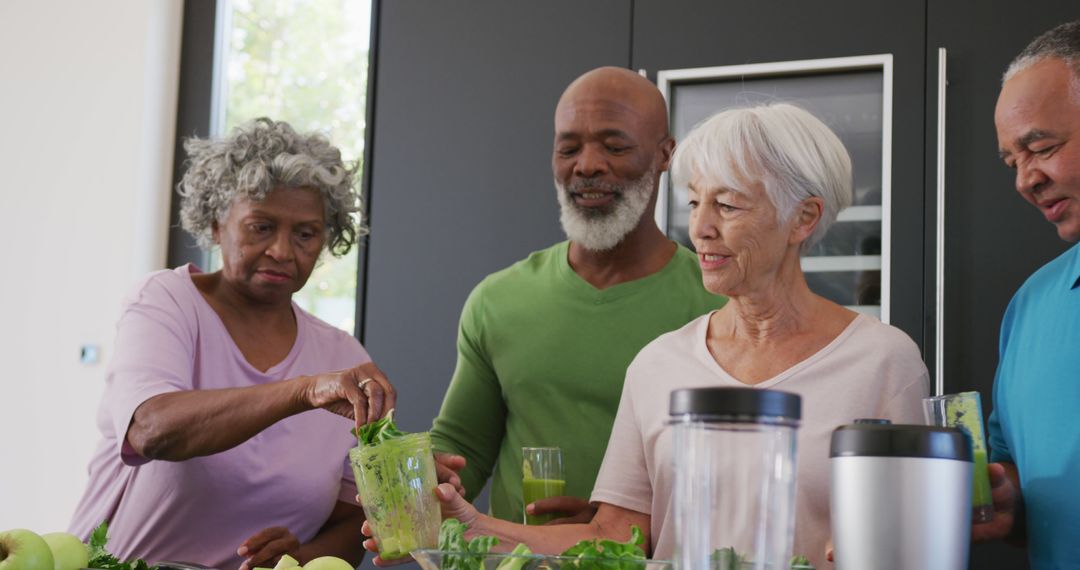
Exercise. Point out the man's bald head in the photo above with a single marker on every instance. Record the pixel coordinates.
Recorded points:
(611, 144)
(618, 87)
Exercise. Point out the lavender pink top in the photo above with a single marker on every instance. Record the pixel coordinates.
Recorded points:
(200, 510)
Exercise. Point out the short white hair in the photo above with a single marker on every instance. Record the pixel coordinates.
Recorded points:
(791, 152)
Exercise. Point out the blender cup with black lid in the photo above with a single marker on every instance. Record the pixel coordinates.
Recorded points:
(734, 476)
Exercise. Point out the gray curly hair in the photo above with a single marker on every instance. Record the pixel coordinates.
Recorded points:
(254, 159)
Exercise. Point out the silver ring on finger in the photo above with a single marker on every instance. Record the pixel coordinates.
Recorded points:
(364, 382)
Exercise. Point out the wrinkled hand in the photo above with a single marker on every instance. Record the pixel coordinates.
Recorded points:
(340, 393)
(1003, 488)
(572, 509)
(454, 506)
(447, 467)
(265, 546)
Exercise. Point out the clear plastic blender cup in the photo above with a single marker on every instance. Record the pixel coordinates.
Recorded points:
(396, 481)
(734, 476)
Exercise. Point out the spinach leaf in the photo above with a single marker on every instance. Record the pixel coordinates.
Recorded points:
(596, 554)
(378, 431)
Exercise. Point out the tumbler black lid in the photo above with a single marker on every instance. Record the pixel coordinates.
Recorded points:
(735, 403)
(896, 440)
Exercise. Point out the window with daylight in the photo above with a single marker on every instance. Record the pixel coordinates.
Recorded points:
(304, 62)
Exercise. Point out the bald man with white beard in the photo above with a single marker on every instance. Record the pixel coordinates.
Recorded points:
(543, 345)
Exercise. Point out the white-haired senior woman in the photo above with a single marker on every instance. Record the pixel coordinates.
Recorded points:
(214, 449)
(765, 183)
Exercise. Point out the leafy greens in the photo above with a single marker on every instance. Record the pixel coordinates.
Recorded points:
(728, 559)
(597, 554)
(100, 559)
(452, 539)
(378, 431)
(592, 554)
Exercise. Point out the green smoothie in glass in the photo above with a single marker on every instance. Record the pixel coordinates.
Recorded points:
(964, 411)
(536, 489)
(982, 502)
(541, 477)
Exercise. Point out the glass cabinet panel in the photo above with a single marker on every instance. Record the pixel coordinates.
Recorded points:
(853, 96)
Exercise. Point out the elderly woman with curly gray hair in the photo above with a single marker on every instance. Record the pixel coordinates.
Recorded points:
(226, 416)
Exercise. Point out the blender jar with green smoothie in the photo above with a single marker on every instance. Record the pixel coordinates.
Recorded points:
(964, 411)
(396, 481)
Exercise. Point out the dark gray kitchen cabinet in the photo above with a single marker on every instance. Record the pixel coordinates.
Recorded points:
(679, 34)
(993, 240)
(460, 180)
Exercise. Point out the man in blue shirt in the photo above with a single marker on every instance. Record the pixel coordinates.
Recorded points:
(1034, 430)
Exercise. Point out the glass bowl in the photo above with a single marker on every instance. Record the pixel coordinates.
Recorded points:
(430, 559)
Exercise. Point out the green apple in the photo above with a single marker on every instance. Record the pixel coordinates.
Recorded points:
(287, 561)
(21, 549)
(328, 563)
(69, 553)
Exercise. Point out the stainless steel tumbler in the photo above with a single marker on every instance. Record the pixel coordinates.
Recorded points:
(900, 497)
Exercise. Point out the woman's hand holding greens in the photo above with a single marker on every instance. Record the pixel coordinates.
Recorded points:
(341, 393)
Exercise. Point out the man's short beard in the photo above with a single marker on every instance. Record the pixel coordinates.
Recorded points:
(599, 229)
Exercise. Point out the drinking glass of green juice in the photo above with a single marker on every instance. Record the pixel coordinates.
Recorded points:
(396, 481)
(964, 411)
(541, 477)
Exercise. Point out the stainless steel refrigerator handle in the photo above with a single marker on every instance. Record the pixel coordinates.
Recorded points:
(939, 289)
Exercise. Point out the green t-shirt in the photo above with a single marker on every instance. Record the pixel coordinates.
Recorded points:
(541, 359)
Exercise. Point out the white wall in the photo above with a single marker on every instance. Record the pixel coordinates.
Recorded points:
(87, 114)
